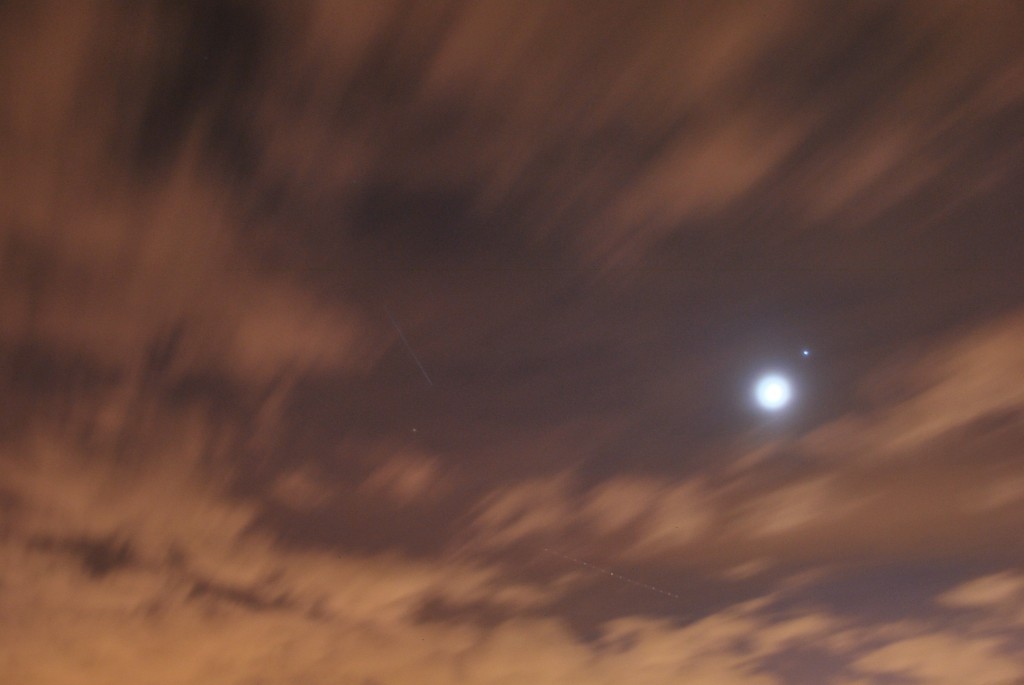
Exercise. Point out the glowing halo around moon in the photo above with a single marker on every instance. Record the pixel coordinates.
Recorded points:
(773, 392)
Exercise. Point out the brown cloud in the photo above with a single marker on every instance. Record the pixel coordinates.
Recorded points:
(91, 268)
(407, 478)
(941, 659)
(199, 581)
(203, 595)
(889, 483)
(917, 401)
(995, 603)
(588, 216)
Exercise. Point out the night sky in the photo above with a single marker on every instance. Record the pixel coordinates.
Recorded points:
(413, 343)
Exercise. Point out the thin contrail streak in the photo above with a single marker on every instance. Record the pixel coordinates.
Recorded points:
(613, 574)
(408, 347)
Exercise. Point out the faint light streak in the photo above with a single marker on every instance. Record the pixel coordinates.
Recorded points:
(613, 574)
(408, 347)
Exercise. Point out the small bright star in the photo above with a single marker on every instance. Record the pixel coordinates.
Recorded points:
(807, 353)
(773, 392)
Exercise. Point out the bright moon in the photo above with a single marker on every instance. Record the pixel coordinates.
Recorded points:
(773, 392)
